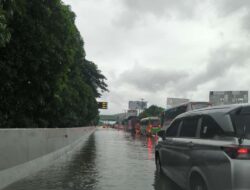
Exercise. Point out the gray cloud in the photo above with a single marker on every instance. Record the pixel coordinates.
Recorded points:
(225, 58)
(220, 62)
(154, 38)
(160, 7)
(150, 80)
(246, 21)
(227, 7)
(136, 10)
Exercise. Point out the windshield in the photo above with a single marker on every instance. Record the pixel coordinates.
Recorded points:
(155, 122)
(94, 83)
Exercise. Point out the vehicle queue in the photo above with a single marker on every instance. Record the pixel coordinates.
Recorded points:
(150, 126)
(198, 143)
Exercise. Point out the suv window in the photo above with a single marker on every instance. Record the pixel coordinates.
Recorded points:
(171, 114)
(173, 129)
(241, 121)
(189, 127)
(210, 128)
(181, 109)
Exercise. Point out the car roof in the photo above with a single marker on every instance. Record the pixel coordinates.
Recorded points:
(218, 113)
(186, 103)
(147, 118)
(225, 109)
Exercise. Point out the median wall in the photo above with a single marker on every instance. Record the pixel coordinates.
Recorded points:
(25, 151)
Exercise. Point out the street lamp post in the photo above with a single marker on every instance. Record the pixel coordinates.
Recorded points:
(141, 106)
(125, 113)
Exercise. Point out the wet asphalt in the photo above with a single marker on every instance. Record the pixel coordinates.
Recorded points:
(109, 160)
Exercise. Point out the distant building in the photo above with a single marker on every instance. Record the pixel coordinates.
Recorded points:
(171, 102)
(110, 119)
(137, 105)
(228, 97)
(132, 113)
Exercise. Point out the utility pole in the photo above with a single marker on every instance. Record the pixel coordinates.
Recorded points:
(125, 113)
(141, 106)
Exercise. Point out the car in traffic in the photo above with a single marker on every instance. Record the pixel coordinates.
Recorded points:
(207, 149)
(132, 124)
(150, 126)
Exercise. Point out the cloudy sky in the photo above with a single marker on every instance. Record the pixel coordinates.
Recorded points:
(154, 49)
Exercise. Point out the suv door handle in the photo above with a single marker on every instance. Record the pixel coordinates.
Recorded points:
(168, 141)
(190, 144)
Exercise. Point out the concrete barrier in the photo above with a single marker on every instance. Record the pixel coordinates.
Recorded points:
(25, 151)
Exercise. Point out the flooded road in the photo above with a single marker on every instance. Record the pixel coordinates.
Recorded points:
(109, 160)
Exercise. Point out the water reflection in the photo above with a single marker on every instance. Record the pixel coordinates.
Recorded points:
(110, 160)
(81, 173)
(77, 172)
(162, 182)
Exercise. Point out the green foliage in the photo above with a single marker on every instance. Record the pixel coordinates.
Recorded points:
(151, 111)
(94, 77)
(44, 77)
(5, 13)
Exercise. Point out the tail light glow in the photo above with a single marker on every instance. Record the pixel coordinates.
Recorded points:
(237, 152)
(243, 151)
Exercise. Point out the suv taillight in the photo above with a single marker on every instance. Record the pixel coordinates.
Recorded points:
(237, 152)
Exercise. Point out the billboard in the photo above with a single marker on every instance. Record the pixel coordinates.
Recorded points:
(176, 101)
(137, 105)
(228, 97)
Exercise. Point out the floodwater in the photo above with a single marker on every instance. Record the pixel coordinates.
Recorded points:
(109, 160)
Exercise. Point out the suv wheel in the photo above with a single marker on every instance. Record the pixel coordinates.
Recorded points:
(197, 183)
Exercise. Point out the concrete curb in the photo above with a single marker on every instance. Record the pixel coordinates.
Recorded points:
(12, 174)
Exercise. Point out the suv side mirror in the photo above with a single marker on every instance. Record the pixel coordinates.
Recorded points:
(162, 134)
